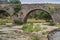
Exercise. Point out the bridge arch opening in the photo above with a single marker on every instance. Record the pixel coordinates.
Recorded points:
(3, 13)
(5, 17)
(38, 13)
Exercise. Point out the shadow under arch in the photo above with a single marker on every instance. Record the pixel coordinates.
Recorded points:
(4, 13)
(25, 18)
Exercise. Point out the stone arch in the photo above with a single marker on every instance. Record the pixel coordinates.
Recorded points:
(5, 15)
(1, 11)
(25, 18)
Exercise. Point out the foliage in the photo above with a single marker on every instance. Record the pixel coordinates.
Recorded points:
(37, 28)
(27, 27)
(2, 23)
(18, 22)
(17, 8)
(55, 8)
(52, 23)
(40, 14)
(49, 7)
(5, 20)
(44, 33)
(14, 1)
(17, 5)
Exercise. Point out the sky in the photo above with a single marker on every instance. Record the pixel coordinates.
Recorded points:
(39, 1)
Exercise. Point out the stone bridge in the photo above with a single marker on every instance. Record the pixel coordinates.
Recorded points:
(7, 8)
(52, 9)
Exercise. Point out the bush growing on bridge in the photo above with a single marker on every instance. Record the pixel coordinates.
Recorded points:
(17, 5)
(17, 8)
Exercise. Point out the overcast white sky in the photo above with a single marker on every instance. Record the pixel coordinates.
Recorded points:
(39, 1)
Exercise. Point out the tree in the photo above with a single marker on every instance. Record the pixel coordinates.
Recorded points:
(15, 1)
(16, 7)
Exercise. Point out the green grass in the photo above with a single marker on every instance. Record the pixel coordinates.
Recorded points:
(37, 28)
(3, 21)
(29, 28)
(45, 33)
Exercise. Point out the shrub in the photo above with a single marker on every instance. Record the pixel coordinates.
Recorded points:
(52, 23)
(17, 8)
(18, 22)
(44, 33)
(49, 7)
(2, 22)
(14, 2)
(55, 8)
(27, 27)
(37, 28)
